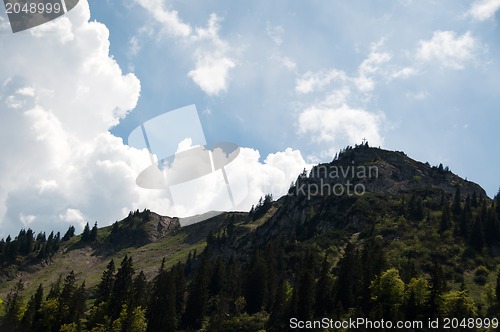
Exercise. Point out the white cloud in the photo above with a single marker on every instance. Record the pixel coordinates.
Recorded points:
(274, 175)
(60, 163)
(211, 54)
(403, 73)
(370, 67)
(449, 50)
(212, 73)
(169, 19)
(73, 216)
(340, 125)
(484, 9)
(311, 82)
(134, 46)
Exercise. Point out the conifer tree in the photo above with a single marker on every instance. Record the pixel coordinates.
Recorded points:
(278, 317)
(477, 237)
(69, 233)
(86, 233)
(445, 223)
(348, 278)
(161, 312)
(105, 286)
(324, 288)
(256, 284)
(93, 233)
(122, 287)
(31, 316)
(198, 296)
(140, 291)
(456, 208)
(13, 304)
(304, 290)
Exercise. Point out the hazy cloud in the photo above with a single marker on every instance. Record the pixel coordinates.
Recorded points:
(449, 50)
(484, 9)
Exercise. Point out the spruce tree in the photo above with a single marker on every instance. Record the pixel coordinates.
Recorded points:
(105, 286)
(13, 304)
(69, 233)
(122, 287)
(196, 305)
(86, 233)
(256, 285)
(93, 233)
(477, 237)
(456, 208)
(31, 314)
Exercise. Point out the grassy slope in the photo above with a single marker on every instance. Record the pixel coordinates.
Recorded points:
(89, 266)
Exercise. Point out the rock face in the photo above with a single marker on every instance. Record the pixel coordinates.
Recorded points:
(390, 172)
(316, 203)
(140, 228)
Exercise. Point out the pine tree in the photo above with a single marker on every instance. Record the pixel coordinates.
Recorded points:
(198, 296)
(10, 321)
(140, 291)
(278, 318)
(445, 223)
(161, 312)
(477, 237)
(456, 208)
(122, 287)
(438, 286)
(497, 202)
(217, 279)
(30, 316)
(466, 220)
(93, 233)
(105, 286)
(86, 233)
(256, 285)
(304, 290)
(69, 233)
(348, 278)
(324, 288)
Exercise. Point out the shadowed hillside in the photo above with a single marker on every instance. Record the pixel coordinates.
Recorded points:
(372, 234)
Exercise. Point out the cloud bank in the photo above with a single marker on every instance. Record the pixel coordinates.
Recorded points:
(61, 92)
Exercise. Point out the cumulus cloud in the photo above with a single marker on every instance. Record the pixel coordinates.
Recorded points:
(370, 67)
(212, 73)
(341, 124)
(484, 9)
(332, 119)
(211, 54)
(60, 93)
(450, 50)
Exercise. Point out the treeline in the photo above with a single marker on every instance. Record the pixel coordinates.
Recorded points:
(207, 292)
(285, 278)
(28, 246)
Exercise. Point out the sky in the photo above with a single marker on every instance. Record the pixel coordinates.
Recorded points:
(289, 82)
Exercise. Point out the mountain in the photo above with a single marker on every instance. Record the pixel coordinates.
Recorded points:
(371, 234)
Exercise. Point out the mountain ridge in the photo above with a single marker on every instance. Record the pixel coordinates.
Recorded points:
(405, 208)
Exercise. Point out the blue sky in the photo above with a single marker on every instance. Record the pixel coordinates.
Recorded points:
(291, 82)
(444, 108)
